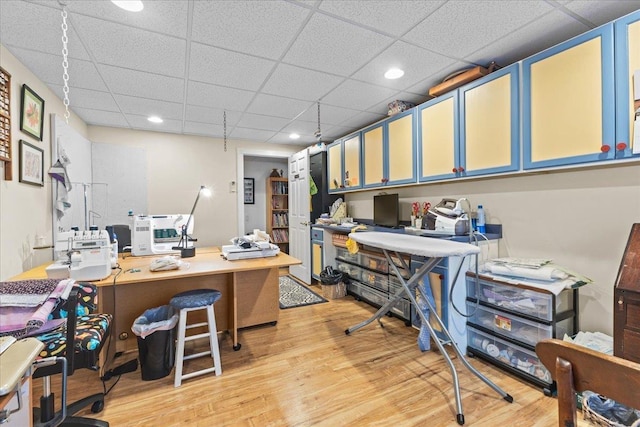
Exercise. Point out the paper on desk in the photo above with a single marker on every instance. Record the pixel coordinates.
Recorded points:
(553, 287)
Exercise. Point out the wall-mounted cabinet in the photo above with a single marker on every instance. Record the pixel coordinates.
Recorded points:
(344, 158)
(568, 102)
(438, 138)
(389, 151)
(627, 64)
(489, 124)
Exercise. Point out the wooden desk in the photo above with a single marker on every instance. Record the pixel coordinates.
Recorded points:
(250, 292)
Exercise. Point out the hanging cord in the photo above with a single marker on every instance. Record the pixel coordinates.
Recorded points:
(65, 62)
(224, 121)
(318, 133)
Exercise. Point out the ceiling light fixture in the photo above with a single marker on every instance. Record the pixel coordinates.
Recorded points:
(294, 136)
(155, 119)
(394, 73)
(129, 5)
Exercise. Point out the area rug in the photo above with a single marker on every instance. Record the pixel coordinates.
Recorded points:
(294, 294)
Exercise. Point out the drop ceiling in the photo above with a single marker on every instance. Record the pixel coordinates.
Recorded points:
(269, 63)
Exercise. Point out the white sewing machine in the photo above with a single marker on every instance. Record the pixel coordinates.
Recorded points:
(81, 255)
(158, 234)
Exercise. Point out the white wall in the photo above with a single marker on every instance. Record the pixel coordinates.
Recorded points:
(580, 218)
(25, 210)
(259, 168)
(177, 165)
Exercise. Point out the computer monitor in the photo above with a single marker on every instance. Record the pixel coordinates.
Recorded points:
(386, 210)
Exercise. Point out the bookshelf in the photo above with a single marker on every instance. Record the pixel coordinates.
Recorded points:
(278, 212)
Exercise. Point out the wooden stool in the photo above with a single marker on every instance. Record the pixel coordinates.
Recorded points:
(197, 299)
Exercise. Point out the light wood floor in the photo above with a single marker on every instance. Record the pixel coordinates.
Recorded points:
(305, 371)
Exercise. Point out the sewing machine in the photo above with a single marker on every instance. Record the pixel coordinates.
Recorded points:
(81, 255)
(158, 234)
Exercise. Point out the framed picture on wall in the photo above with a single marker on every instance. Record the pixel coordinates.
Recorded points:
(249, 192)
(31, 164)
(31, 113)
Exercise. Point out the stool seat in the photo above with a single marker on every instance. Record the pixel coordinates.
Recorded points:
(195, 298)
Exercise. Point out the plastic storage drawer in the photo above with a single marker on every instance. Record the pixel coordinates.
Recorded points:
(538, 304)
(369, 294)
(374, 262)
(346, 256)
(376, 280)
(514, 327)
(351, 270)
(394, 287)
(508, 354)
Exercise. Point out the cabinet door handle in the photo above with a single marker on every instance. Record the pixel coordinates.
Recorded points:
(605, 148)
(460, 169)
(621, 146)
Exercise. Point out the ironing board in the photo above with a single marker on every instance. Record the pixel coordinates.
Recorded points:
(435, 250)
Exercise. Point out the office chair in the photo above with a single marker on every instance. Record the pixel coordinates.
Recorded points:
(124, 236)
(88, 331)
(576, 368)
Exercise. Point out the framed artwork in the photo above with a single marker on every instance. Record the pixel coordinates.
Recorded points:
(31, 164)
(31, 113)
(249, 191)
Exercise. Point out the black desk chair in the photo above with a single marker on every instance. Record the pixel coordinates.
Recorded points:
(88, 331)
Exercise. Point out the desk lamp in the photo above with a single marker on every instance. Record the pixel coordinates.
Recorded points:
(183, 245)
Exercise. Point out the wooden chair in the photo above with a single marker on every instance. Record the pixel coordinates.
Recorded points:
(576, 368)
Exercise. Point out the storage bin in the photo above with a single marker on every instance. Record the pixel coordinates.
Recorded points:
(345, 255)
(366, 293)
(536, 303)
(378, 281)
(374, 262)
(508, 354)
(351, 270)
(514, 327)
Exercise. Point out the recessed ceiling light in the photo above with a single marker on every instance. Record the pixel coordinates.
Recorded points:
(155, 119)
(129, 5)
(294, 136)
(394, 73)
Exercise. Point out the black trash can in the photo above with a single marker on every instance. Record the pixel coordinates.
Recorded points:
(332, 283)
(155, 330)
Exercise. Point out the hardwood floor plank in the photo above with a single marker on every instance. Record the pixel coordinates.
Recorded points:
(305, 371)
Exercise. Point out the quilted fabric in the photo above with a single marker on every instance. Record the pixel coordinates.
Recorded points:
(195, 298)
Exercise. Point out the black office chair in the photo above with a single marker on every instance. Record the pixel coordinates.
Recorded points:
(88, 331)
(124, 236)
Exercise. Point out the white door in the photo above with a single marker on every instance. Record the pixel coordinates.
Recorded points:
(300, 215)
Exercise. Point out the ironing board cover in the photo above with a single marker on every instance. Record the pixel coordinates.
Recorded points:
(414, 245)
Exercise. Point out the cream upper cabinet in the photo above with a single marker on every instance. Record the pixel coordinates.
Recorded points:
(568, 102)
(334, 166)
(438, 130)
(373, 148)
(343, 163)
(489, 124)
(401, 148)
(627, 69)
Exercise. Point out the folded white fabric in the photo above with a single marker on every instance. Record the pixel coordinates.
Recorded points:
(547, 272)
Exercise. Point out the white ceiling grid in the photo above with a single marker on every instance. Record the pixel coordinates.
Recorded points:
(268, 63)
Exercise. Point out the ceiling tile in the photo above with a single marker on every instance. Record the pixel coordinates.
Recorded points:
(417, 63)
(259, 121)
(301, 128)
(277, 106)
(82, 74)
(601, 12)
(461, 27)
(363, 119)
(222, 67)
(142, 84)
(85, 98)
(19, 19)
(251, 134)
(149, 107)
(204, 129)
(141, 122)
(206, 95)
(335, 132)
(316, 46)
(393, 17)
(211, 115)
(543, 33)
(101, 118)
(166, 17)
(329, 114)
(127, 47)
(283, 138)
(258, 28)
(357, 95)
(300, 83)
